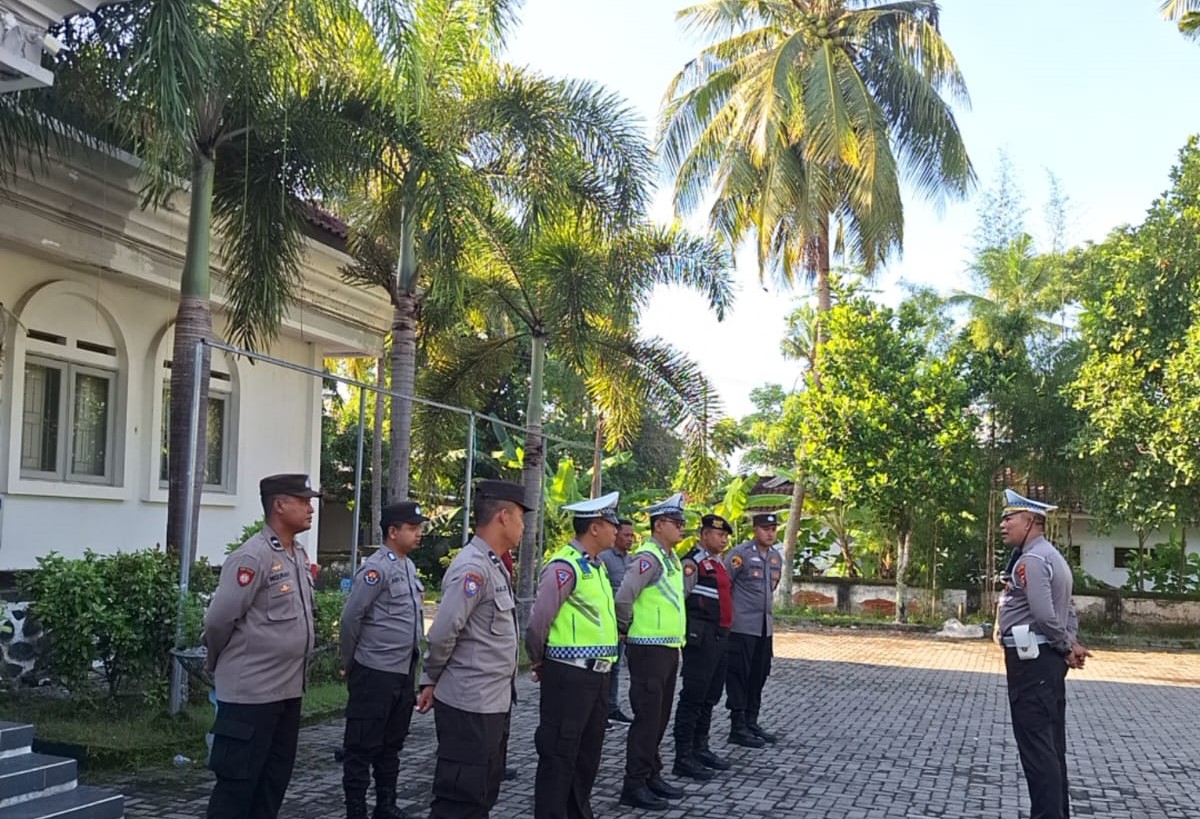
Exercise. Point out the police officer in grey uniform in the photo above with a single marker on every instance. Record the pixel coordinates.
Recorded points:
(754, 567)
(1039, 631)
(381, 629)
(615, 561)
(258, 631)
(469, 674)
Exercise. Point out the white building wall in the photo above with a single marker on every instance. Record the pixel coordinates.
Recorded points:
(125, 299)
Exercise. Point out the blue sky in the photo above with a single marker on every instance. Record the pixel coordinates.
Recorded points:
(1103, 93)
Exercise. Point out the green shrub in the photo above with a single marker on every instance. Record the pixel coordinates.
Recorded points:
(117, 613)
(248, 531)
(327, 618)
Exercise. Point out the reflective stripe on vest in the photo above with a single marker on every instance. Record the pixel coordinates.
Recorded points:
(586, 625)
(658, 613)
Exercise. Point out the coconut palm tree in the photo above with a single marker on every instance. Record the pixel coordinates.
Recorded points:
(464, 135)
(1184, 12)
(798, 124)
(572, 291)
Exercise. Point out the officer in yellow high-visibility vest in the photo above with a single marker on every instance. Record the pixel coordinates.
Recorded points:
(650, 612)
(572, 643)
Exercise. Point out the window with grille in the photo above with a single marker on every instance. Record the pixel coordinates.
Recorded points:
(67, 425)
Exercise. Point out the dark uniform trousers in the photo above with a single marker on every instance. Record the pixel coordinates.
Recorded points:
(471, 754)
(705, 658)
(254, 749)
(1037, 695)
(652, 673)
(569, 740)
(378, 714)
(749, 667)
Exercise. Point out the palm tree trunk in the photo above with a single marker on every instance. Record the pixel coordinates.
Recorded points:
(404, 378)
(377, 443)
(531, 476)
(796, 507)
(404, 360)
(193, 322)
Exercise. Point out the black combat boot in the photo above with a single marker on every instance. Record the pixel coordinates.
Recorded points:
(663, 788)
(740, 733)
(756, 729)
(644, 798)
(689, 766)
(710, 760)
(385, 805)
(356, 805)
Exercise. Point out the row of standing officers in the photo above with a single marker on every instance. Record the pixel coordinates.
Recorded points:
(706, 618)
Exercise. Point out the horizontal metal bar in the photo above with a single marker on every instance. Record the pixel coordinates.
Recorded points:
(300, 368)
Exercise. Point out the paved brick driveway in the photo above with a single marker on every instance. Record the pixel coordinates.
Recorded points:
(873, 726)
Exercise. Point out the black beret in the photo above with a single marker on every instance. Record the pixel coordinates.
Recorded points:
(295, 485)
(502, 490)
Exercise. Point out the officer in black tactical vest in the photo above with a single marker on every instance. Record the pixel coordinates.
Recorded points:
(709, 604)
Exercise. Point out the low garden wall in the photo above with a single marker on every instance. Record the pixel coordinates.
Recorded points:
(876, 598)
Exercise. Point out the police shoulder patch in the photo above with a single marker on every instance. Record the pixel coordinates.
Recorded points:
(472, 583)
(562, 577)
(644, 565)
(689, 568)
(245, 576)
(371, 577)
(1021, 579)
(735, 561)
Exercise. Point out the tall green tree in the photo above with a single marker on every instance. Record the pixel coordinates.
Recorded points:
(249, 102)
(888, 426)
(799, 122)
(464, 135)
(1136, 388)
(572, 288)
(437, 63)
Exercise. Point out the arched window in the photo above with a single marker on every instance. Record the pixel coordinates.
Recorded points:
(71, 398)
(220, 419)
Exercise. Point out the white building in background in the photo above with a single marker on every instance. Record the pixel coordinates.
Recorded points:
(89, 287)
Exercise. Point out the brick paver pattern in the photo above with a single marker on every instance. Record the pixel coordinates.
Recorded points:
(871, 725)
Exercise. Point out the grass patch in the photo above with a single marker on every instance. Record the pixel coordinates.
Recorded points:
(128, 734)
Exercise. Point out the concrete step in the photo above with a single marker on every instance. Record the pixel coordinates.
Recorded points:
(27, 776)
(82, 802)
(15, 738)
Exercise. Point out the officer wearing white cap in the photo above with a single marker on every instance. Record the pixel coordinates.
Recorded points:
(572, 643)
(259, 631)
(650, 613)
(381, 629)
(1039, 630)
(755, 567)
(469, 674)
(709, 605)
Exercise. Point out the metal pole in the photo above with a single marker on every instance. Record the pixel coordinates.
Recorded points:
(466, 532)
(358, 474)
(540, 519)
(188, 539)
